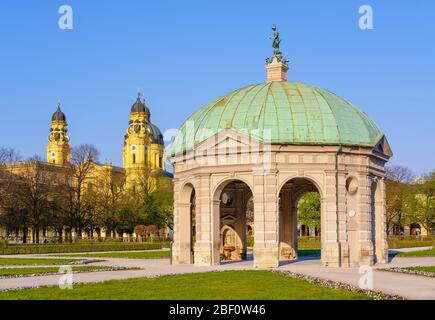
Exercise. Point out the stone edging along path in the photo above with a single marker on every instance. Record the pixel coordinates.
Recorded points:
(38, 274)
(71, 263)
(376, 295)
(407, 271)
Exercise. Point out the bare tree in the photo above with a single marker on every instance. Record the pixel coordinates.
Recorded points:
(109, 199)
(11, 217)
(400, 174)
(33, 193)
(78, 187)
(8, 157)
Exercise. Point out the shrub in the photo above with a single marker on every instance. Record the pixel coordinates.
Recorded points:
(3, 243)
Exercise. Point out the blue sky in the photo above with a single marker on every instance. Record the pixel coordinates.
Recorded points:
(182, 54)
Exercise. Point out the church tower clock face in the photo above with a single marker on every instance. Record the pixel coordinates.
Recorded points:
(133, 147)
(53, 154)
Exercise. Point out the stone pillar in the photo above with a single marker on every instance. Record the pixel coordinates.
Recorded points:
(240, 225)
(365, 224)
(181, 249)
(381, 223)
(287, 231)
(335, 249)
(207, 224)
(266, 235)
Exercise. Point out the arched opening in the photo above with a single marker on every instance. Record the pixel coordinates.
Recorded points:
(299, 218)
(235, 208)
(187, 224)
(414, 229)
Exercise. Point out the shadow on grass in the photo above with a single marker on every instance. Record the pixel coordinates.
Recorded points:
(304, 255)
(392, 254)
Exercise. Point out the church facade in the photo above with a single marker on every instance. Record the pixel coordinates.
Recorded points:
(142, 154)
(143, 148)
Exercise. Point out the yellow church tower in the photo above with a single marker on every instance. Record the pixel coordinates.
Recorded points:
(144, 149)
(58, 149)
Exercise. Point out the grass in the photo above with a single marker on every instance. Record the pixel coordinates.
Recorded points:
(229, 285)
(36, 271)
(32, 261)
(425, 269)
(125, 255)
(156, 254)
(421, 253)
(308, 252)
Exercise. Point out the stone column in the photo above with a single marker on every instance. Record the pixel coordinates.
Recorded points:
(240, 225)
(266, 246)
(335, 248)
(207, 224)
(287, 217)
(364, 216)
(181, 248)
(381, 223)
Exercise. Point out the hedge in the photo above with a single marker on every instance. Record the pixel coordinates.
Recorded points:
(79, 247)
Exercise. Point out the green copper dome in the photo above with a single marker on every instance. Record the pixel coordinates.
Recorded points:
(296, 113)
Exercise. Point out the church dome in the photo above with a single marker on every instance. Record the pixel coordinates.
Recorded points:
(156, 134)
(139, 106)
(58, 115)
(292, 113)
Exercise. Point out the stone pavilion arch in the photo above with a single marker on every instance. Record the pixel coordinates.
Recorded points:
(231, 200)
(289, 196)
(186, 225)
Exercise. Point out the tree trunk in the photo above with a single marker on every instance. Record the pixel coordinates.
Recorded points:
(36, 238)
(79, 233)
(24, 235)
(60, 231)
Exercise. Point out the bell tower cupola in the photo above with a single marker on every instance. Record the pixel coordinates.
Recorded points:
(143, 149)
(58, 148)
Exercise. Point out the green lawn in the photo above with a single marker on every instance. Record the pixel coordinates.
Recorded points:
(425, 269)
(308, 252)
(32, 261)
(126, 255)
(230, 285)
(27, 271)
(422, 253)
(155, 254)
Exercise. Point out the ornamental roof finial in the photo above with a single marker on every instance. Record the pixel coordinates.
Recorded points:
(276, 41)
(277, 66)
